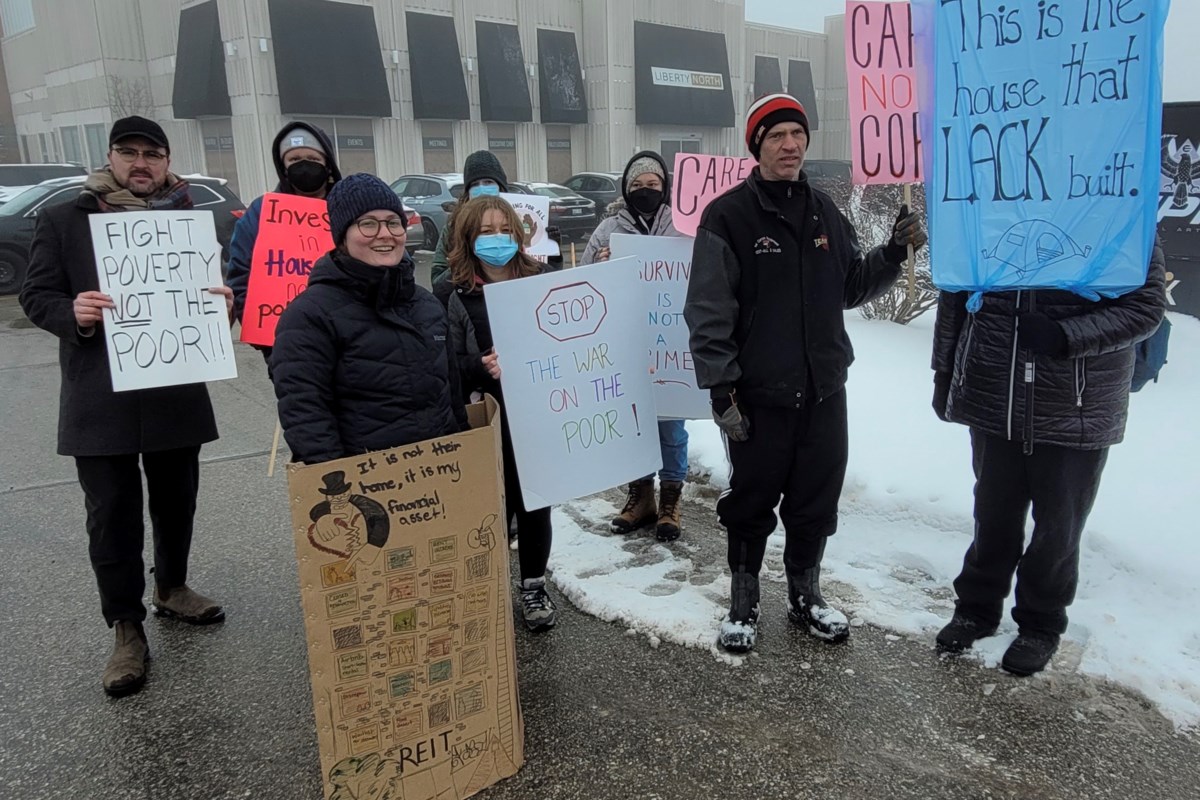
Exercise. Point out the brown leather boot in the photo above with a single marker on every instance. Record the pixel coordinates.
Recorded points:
(125, 672)
(669, 494)
(182, 603)
(639, 510)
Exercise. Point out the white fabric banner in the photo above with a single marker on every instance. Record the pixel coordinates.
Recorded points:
(577, 389)
(167, 329)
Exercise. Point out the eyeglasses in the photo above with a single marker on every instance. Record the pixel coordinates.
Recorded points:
(130, 155)
(369, 227)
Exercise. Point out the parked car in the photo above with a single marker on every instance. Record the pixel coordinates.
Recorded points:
(416, 230)
(574, 215)
(16, 178)
(828, 174)
(433, 197)
(601, 188)
(18, 215)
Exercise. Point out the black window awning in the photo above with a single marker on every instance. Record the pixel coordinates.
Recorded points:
(201, 89)
(327, 59)
(503, 85)
(560, 79)
(682, 77)
(439, 90)
(801, 87)
(767, 77)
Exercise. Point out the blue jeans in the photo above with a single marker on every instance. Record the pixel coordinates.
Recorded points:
(672, 440)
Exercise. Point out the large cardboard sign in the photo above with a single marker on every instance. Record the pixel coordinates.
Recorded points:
(407, 608)
(577, 391)
(1043, 134)
(293, 232)
(665, 266)
(885, 133)
(698, 180)
(534, 213)
(166, 329)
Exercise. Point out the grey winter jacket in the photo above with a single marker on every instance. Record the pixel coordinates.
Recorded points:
(620, 220)
(1079, 401)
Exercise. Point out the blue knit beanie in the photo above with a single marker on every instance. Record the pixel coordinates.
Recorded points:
(354, 196)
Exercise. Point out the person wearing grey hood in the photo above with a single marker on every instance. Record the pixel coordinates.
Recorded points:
(643, 210)
(306, 166)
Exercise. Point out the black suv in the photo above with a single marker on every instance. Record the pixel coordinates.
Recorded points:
(18, 215)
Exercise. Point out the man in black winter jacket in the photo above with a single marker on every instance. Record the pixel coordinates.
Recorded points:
(775, 265)
(109, 432)
(1042, 379)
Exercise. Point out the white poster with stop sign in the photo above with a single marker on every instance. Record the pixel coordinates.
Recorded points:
(577, 388)
(534, 212)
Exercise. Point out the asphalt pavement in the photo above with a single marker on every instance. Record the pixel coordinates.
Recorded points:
(227, 711)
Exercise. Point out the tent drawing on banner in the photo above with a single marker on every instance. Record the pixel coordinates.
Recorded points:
(1033, 245)
(1180, 170)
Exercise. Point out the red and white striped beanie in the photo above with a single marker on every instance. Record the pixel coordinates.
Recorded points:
(769, 111)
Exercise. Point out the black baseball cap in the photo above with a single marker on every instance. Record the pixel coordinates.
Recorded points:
(138, 126)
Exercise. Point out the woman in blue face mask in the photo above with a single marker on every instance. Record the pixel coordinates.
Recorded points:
(483, 175)
(487, 246)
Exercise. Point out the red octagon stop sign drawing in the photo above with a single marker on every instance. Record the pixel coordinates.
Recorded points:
(572, 312)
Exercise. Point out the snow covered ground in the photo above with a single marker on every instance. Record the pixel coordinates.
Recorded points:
(906, 522)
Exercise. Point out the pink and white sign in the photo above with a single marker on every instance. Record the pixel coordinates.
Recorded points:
(698, 181)
(885, 130)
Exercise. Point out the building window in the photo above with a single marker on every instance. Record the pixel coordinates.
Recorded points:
(72, 149)
(17, 16)
(558, 154)
(97, 144)
(46, 142)
(502, 141)
(353, 141)
(220, 158)
(437, 141)
(671, 147)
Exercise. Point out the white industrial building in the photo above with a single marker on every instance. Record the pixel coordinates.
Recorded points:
(553, 87)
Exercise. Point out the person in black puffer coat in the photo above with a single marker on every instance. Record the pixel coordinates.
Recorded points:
(363, 359)
(487, 247)
(1042, 379)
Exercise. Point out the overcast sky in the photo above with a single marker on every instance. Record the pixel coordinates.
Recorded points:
(1182, 69)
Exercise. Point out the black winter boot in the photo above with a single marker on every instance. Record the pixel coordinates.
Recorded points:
(1030, 652)
(805, 606)
(739, 631)
(961, 632)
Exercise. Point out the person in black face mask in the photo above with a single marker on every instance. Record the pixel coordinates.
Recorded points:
(643, 210)
(304, 162)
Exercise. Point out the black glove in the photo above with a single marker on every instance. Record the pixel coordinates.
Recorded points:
(1042, 335)
(941, 393)
(554, 234)
(728, 416)
(907, 230)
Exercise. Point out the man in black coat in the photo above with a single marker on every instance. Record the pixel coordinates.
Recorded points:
(1042, 379)
(107, 432)
(775, 265)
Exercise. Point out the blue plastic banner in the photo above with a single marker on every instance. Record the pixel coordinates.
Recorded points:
(1041, 126)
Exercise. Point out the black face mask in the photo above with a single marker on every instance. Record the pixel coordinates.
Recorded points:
(646, 201)
(307, 176)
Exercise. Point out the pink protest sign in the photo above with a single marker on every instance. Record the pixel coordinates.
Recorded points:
(698, 181)
(885, 131)
(293, 232)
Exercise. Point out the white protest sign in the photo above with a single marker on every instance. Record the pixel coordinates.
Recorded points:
(577, 389)
(166, 329)
(665, 265)
(534, 213)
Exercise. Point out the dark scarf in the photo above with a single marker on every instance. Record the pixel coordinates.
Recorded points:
(112, 196)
